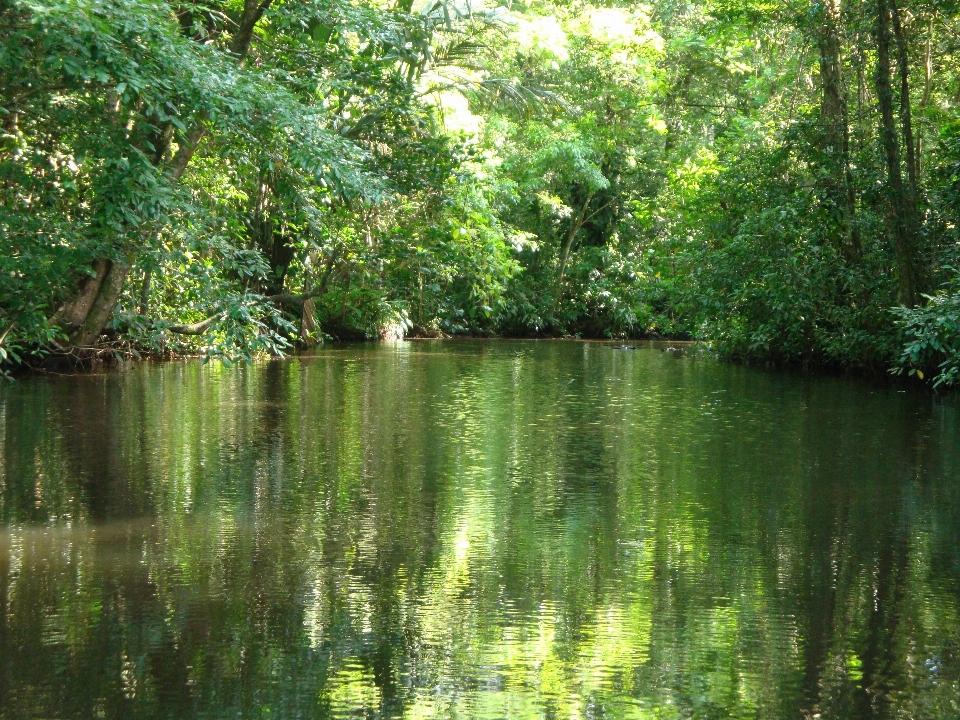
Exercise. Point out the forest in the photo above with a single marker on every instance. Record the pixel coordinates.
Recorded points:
(234, 178)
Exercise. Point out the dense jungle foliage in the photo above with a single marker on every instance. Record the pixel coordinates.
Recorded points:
(238, 177)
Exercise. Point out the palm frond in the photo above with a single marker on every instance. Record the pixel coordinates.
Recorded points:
(458, 53)
(524, 100)
(452, 12)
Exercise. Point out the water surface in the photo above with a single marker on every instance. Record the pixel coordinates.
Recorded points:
(477, 530)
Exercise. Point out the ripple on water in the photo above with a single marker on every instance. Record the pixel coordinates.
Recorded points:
(477, 530)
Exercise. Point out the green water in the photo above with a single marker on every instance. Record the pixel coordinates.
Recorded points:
(477, 530)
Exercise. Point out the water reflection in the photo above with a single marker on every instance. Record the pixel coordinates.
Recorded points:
(477, 530)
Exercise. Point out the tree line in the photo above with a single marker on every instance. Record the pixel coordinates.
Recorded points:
(236, 178)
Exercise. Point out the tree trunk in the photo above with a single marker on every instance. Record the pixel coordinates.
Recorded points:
(925, 99)
(308, 324)
(906, 121)
(75, 311)
(899, 214)
(252, 12)
(178, 166)
(102, 308)
(577, 225)
(833, 119)
(833, 104)
(145, 292)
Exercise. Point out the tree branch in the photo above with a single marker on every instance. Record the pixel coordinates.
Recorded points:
(252, 12)
(294, 298)
(197, 328)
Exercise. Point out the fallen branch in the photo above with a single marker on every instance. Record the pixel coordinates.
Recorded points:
(295, 299)
(197, 328)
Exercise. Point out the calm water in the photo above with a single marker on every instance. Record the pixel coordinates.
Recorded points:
(477, 530)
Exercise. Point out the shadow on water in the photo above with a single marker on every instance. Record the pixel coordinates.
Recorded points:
(477, 529)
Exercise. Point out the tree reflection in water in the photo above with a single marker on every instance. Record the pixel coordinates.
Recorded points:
(473, 529)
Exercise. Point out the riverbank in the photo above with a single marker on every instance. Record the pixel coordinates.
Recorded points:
(124, 357)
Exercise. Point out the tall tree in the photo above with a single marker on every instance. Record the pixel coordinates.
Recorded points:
(106, 283)
(833, 120)
(901, 212)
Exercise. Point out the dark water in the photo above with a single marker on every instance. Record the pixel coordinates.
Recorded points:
(477, 530)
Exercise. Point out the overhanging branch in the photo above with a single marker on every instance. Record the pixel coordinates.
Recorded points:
(294, 298)
(197, 328)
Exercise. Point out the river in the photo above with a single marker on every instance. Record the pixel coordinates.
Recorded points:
(477, 529)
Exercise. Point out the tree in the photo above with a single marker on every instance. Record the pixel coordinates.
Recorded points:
(901, 200)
